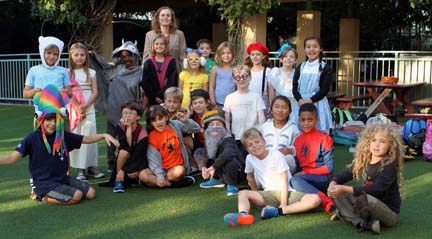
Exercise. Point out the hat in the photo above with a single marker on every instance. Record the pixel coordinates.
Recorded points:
(283, 48)
(210, 116)
(200, 92)
(51, 101)
(257, 47)
(44, 42)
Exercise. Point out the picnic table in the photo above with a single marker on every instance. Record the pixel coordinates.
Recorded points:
(400, 91)
(425, 104)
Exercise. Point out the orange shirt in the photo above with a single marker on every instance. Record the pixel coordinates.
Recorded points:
(168, 145)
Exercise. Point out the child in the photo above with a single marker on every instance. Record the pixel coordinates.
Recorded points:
(222, 162)
(193, 76)
(49, 72)
(166, 153)
(133, 140)
(221, 83)
(48, 148)
(244, 106)
(312, 81)
(282, 77)
(268, 169)
(123, 87)
(314, 157)
(258, 62)
(279, 132)
(82, 120)
(173, 98)
(378, 162)
(159, 72)
(205, 47)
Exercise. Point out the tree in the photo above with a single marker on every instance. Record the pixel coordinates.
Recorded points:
(86, 19)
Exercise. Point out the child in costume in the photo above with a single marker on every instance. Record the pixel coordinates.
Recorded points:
(312, 82)
(48, 148)
(193, 76)
(221, 83)
(159, 72)
(205, 47)
(82, 119)
(267, 170)
(378, 162)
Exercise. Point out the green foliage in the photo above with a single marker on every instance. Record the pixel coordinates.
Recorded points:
(60, 12)
(415, 3)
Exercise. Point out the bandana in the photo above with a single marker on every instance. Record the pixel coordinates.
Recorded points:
(51, 100)
(257, 47)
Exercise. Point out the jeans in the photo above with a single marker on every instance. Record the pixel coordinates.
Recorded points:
(310, 183)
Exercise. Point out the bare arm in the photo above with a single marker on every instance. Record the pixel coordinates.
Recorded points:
(12, 158)
(261, 117)
(271, 92)
(251, 180)
(29, 92)
(93, 96)
(228, 121)
(206, 86)
(89, 139)
(284, 190)
(212, 84)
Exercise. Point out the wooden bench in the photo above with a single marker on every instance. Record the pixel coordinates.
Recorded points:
(345, 103)
(424, 103)
(332, 96)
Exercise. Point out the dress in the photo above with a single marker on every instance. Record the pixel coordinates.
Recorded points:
(190, 83)
(282, 82)
(256, 84)
(88, 154)
(224, 85)
(312, 80)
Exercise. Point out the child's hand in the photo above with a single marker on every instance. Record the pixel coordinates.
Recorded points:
(211, 171)
(36, 90)
(285, 151)
(163, 183)
(335, 190)
(110, 140)
(182, 115)
(125, 122)
(204, 173)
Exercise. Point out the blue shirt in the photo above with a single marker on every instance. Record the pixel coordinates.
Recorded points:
(48, 171)
(40, 76)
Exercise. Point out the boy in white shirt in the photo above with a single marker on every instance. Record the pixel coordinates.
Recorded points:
(267, 170)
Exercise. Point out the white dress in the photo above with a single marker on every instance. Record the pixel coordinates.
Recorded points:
(87, 155)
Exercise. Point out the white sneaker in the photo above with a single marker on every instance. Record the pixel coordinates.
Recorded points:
(94, 172)
(81, 175)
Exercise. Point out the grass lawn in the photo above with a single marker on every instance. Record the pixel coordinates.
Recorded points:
(176, 213)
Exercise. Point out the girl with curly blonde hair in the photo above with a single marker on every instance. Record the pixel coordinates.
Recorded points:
(378, 163)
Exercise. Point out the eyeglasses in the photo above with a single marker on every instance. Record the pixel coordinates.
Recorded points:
(129, 113)
(239, 77)
(191, 59)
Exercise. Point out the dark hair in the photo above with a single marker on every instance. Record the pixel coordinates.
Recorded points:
(133, 105)
(50, 116)
(204, 41)
(308, 107)
(284, 99)
(154, 111)
(319, 43)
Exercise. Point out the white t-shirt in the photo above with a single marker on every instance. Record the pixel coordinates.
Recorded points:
(267, 171)
(244, 110)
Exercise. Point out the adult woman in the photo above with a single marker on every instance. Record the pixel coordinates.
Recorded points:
(164, 22)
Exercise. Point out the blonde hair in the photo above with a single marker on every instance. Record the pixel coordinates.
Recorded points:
(156, 24)
(219, 50)
(201, 68)
(239, 68)
(174, 92)
(72, 66)
(363, 155)
(251, 133)
(153, 50)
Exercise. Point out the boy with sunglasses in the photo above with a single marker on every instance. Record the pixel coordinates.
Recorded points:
(243, 108)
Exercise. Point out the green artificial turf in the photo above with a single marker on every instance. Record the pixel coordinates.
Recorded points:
(176, 213)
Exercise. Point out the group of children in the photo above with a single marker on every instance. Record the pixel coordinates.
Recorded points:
(287, 160)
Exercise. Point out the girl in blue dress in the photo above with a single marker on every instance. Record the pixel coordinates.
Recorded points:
(312, 81)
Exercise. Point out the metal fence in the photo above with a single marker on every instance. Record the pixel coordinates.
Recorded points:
(347, 67)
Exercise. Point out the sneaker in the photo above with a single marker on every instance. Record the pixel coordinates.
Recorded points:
(95, 172)
(232, 190)
(118, 187)
(184, 182)
(236, 219)
(373, 226)
(212, 183)
(81, 174)
(269, 212)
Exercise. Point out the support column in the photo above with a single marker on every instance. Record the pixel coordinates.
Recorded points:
(254, 30)
(107, 40)
(308, 24)
(349, 40)
(219, 34)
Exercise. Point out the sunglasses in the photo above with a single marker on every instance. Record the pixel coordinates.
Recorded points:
(191, 59)
(239, 77)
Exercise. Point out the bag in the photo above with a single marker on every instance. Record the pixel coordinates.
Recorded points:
(341, 116)
(427, 145)
(378, 119)
(345, 137)
(413, 133)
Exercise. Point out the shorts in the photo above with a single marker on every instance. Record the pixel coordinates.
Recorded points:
(272, 197)
(64, 192)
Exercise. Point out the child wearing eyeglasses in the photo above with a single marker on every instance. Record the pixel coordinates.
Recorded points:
(193, 76)
(243, 108)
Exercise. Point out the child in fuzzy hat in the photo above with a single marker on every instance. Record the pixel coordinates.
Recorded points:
(222, 162)
(48, 148)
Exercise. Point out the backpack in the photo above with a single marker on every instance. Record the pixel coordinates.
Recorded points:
(427, 145)
(413, 133)
(341, 116)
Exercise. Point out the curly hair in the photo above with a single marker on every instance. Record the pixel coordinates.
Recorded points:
(363, 154)
(156, 24)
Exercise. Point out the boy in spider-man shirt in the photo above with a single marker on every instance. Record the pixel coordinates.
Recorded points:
(314, 158)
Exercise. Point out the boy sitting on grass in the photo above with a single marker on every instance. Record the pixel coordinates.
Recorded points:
(267, 169)
(48, 148)
(173, 98)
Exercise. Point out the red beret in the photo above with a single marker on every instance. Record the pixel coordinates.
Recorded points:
(257, 47)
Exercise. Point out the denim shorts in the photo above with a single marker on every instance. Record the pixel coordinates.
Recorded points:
(64, 192)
